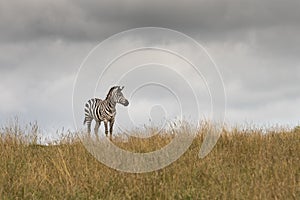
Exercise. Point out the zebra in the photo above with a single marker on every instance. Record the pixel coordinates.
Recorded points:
(104, 110)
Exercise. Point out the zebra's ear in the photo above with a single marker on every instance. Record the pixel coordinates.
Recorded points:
(121, 88)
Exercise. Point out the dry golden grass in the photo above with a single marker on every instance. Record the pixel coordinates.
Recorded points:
(243, 165)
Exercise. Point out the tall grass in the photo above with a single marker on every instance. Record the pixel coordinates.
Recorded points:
(244, 164)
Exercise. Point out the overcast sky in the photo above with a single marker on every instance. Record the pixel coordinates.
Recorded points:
(256, 45)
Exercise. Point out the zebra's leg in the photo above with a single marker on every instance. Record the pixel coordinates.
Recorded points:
(106, 128)
(112, 121)
(88, 123)
(97, 128)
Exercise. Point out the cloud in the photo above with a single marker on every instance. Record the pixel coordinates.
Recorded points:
(93, 20)
(36, 80)
(255, 44)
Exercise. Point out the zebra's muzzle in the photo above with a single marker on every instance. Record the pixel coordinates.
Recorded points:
(125, 103)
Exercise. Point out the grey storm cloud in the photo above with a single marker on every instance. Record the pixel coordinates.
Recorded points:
(256, 45)
(90, 20)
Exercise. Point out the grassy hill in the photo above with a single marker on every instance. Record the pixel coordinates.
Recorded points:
(246, 164)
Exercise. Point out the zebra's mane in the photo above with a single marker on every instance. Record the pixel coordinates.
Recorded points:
(110, 91)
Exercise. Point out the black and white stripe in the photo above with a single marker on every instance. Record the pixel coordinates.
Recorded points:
(104, 110)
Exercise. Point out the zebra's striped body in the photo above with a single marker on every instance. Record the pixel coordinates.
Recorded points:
(104, 110)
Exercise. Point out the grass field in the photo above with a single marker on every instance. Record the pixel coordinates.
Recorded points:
(245, 164)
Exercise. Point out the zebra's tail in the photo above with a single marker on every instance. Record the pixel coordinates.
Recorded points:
(86, 113)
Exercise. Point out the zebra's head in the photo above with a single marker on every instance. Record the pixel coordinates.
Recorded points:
(117, 96)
